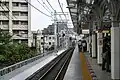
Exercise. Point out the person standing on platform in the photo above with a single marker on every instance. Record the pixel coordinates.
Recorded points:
(80, 45)
(90, 48)
(104, 60)
(108, 60)
(84, 45)
(104, 54)
(108, 56)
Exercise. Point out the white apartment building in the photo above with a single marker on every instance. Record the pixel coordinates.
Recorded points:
(47, 41)
(50, 40)
(15, 17)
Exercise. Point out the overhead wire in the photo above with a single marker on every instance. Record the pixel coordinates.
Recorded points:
(55, 10)
(38, 9)
(50, 5)
(5, 13)
(44, 7)
(64, 15)
(63, 22)
(61, 18)
(9, 10)
(62, 9)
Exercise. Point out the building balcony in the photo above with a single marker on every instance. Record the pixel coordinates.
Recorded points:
(20, 36)
(5, 27)
(19, 1)
(24, 18)
(20, 27)
(25, 9)
(4, 8)
(4, 17)
(6, 0)
(24, 35)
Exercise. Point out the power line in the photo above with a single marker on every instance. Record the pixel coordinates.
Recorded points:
(37, 9)
(62, 12)
(44, 6)
(50, 5)
(5, 13)
(63, 21)
(61, 18)
(8, 10)
(62, 9)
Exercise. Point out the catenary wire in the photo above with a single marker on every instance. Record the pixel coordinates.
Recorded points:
(62, 9)
(44, 6)
(50, 5)
(38, 9)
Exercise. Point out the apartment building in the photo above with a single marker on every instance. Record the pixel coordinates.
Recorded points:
(15, 17)
(47, 42)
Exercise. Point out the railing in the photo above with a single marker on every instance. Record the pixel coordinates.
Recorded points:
(20, 27)
(20, 64)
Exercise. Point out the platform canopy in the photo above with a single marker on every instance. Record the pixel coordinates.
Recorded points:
(72, 6)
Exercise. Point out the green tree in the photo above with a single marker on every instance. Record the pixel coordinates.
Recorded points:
(11, 53)
(5, 37)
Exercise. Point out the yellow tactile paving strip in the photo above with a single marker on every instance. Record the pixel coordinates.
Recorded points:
(85, 72)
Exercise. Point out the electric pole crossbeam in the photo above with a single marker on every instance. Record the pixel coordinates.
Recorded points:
(55, 26)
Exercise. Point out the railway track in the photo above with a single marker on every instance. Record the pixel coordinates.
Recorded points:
(55, 70)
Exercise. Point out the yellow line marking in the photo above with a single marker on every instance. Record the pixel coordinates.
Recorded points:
(85, 72)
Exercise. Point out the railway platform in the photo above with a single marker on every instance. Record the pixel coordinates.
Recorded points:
(74, 69)
(96, 69)
(83, 67)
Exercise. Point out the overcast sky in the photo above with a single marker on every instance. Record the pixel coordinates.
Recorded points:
(39, 20)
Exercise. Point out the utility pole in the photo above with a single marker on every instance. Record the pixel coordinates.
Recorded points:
(55, 27)
(55, 31)
(43, 43)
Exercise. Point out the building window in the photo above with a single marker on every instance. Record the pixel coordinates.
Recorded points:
(0, 22)
(24, 5)
(16, 22)
(5, 13)
(5, 4)
(53, 43)
(0, 4)
(24, 32)
(15, 32)
(42, 37)
(0, 13)
(15, 4)
(49, 37)
(53, 37)
(5, 22)
(24, 23)
(42, 43)
(24, 14)
(49, 43)
(15, 13)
